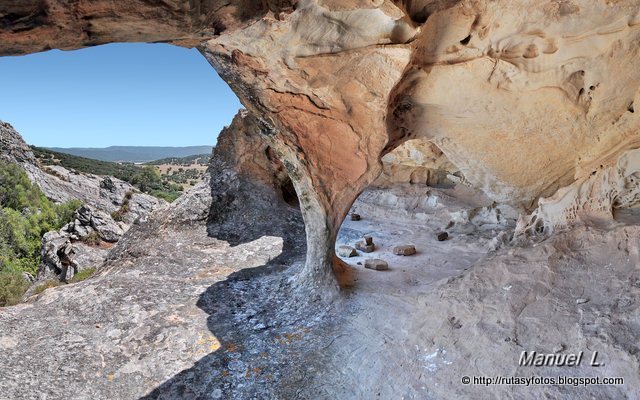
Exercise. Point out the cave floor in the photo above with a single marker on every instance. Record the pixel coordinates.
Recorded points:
(434, 260)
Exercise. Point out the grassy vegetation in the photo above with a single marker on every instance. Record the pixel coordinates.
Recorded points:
(12, 287)
(51, 283)
(82, 275)
(92, 239)
(146, 178)
(46, 285)
(119, 214)
(25, 216)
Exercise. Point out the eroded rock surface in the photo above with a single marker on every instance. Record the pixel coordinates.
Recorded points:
(517, 99)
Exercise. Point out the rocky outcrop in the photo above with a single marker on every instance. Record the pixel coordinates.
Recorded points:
(252, 194)
(85, 256)
(144, 316)
(106, 194)
(103, 193)
(89, 222)
(92, 234)
(12, 148)
(102, 197)
(417, 162)
(613, 185)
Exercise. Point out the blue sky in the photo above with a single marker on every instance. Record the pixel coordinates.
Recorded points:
(117, 94)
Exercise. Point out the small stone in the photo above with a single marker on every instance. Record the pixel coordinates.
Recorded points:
(368, 239)
(376, 264)
(107, 184)
(406, 250)
(259, 327)
(347, 251)
(442, 236)
(355, 217)
(582, 301)
(363, 246)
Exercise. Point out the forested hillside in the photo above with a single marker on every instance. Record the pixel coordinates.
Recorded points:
(200, 159)
(146, 178)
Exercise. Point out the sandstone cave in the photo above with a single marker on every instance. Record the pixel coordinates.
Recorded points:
(509, 125)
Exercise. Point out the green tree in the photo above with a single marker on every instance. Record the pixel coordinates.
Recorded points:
(25, 216)
(147, 179)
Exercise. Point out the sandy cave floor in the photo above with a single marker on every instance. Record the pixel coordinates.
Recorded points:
(414, 274)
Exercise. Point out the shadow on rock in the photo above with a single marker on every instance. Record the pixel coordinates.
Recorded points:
(263, 333)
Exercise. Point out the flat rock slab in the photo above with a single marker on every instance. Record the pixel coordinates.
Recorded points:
(376, 264)
(347, 251)
(405, 250)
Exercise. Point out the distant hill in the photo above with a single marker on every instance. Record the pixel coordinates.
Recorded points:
(83, 164)
(135, 154)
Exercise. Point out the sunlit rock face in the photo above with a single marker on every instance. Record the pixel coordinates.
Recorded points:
(522, 98)
(417, 162)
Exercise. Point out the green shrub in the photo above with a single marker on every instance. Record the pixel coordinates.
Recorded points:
(65, 211)
(82, 275)
(124, 208)
(92, 239)
(46, 285)
(168, 196)
(25, 216)
(117, 216)
(12, 287)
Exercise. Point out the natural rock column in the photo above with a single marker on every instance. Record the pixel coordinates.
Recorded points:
(320, 91)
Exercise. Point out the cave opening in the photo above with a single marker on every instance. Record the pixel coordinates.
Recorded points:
(423, 220)
(288, 192)
(148, 114)
(120, 94)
